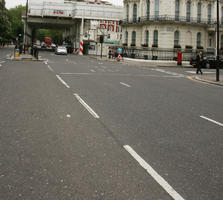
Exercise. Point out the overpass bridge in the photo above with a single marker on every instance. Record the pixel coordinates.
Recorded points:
(72, 16)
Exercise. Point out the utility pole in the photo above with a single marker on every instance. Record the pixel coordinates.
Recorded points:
(217, 67)
(25, 31)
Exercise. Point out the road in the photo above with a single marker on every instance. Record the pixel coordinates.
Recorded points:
(78, 128)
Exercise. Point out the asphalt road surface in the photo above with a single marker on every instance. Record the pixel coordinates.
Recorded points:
(75, 127)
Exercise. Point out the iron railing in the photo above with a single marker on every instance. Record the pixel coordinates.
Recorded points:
(169, 18)
(161, 54)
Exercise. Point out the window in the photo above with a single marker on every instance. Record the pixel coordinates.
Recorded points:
(209, 13)
(134, 13)
(111, 28)
(176, 38)
(127, 13)
(210, 42)
(199, 12)
(126, 37)
(155, 38)
(148, 10)
(177, 10)
(157, 9)
(134, 38)
(198, 39)
(146, 37)
(188, 11)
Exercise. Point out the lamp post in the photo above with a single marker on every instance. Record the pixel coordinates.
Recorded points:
(25, 31)
(217, 68)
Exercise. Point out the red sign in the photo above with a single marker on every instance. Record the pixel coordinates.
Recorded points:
(59, 12)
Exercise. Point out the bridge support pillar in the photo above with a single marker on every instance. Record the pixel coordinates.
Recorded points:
(81, 52)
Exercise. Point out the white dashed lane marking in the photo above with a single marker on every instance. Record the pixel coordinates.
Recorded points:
(211, 120)
(126, 85)
(163, 183)
(86, 106)
(62, 81)
(50, 68)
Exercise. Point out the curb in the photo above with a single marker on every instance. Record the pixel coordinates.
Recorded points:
(25, 59)
(205, 81)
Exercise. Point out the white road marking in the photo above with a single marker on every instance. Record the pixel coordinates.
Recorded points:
(92, 70)
(194, 72)
(46, 62)
(125, 84)
(211, 120)
(50, 68)
(62, 81)
(168, 72)
(76, 73)
(164, 184)
(68, 116)
(89, 109)
(129, 75)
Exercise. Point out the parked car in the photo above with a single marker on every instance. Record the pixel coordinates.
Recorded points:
(208, 63)
(193, 61)
(61, 51)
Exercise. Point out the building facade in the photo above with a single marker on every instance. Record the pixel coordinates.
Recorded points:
(172, 24)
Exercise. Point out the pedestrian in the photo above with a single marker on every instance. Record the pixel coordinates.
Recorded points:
(113, 54)
(109, 54)
(199, 62)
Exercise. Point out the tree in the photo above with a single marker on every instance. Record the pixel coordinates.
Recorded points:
(55, 35)
(2, 4)
(15, 18)
(5, 26)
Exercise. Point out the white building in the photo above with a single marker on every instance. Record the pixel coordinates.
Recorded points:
(169, 24)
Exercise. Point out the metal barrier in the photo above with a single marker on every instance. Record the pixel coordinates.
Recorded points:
(160, 54)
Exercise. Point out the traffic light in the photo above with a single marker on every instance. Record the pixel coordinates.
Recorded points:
(19, 32)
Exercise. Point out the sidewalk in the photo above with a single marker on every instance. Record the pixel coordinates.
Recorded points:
(209, 78)
(25, 57)
(158, 63)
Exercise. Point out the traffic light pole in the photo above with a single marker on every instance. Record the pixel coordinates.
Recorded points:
(217, 67)
(25, 34)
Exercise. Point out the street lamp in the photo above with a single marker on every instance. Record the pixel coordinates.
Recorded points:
(217, 68)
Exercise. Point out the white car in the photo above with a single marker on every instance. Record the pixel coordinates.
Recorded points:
(61, 51)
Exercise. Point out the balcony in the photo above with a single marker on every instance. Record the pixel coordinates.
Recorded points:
(170, 19)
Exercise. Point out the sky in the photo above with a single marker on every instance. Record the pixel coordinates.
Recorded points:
(14, 3)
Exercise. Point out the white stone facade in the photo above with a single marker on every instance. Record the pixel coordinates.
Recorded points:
(179, 23)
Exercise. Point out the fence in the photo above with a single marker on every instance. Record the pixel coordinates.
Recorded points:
(160, 54)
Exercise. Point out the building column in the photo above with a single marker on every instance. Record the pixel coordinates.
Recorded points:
(81, 37)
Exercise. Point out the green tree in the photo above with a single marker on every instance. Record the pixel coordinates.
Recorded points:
(55, 35)
(15, 18)
(5, 26)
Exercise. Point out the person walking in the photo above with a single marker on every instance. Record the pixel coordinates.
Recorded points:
(199, 59)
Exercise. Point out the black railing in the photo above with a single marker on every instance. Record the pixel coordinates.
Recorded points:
(170, 18)
(161, 54)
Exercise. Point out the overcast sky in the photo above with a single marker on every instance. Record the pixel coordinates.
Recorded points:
(14, 3)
